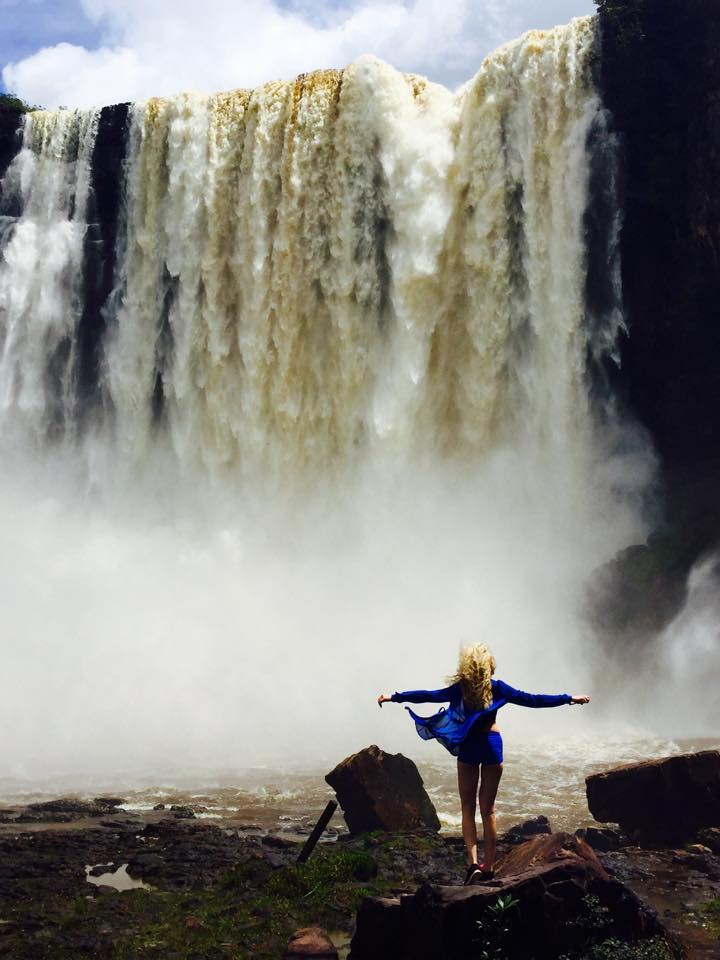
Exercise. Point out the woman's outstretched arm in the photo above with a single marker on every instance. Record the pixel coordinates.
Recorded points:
(420, 696)
(511, 695)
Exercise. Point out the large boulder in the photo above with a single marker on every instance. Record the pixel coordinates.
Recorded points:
(560, 889)
(382, 791)
(659, 802)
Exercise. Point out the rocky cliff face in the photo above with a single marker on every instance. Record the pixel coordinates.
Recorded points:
(101, 240)
(10, 122)
(660, 77)
(659, 72)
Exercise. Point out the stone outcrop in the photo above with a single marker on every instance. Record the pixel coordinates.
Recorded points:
(520, 832)
(550, 877)
(603, 839)
(659, 802)
(382, 791)
(310, 943)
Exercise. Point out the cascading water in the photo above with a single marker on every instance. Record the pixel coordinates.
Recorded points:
(351, 308)
(354, 259)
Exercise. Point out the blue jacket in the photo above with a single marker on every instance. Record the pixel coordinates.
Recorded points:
(453, 725)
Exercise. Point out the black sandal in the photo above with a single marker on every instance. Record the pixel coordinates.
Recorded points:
(485, 874)
(473, 872)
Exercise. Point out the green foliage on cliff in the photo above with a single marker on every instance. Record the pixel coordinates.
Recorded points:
(10, 103)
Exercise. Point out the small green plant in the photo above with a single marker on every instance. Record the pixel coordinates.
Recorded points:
(494, 929)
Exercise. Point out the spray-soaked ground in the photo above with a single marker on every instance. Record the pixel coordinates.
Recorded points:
(543, 777)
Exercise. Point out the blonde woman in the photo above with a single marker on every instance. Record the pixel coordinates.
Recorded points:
(468, 730)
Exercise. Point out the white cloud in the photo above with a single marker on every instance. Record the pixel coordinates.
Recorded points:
(157, 47)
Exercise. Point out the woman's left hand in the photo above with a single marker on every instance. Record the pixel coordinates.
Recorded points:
(580, 700)
(383, 699)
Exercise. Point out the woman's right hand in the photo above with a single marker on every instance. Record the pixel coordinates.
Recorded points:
(580, 700)
(383, 699)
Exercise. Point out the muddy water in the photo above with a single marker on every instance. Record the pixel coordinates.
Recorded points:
(542, 777)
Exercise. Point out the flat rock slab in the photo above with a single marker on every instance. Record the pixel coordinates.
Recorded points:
(549, 877)
(659, 802)
(382, 791)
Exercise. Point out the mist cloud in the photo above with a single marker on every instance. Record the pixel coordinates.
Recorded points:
(158, 47)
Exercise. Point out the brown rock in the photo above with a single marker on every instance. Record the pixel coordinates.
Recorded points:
(310, 943)
(549, 877)
(547, 850)
(659, 802)
(382, 791)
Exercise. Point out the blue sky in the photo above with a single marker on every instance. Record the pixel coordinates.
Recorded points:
(90, 52)
(29, 25)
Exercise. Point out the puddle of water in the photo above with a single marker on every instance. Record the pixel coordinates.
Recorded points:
(118, 879)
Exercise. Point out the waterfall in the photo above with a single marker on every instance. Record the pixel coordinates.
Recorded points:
(355, 263)
(295, 397)
(41, 272)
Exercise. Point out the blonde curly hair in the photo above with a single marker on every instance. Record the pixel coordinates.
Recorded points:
(475, 668)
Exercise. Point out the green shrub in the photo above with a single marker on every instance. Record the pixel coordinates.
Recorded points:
(9, 102)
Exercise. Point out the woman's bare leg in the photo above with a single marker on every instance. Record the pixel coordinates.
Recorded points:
(489, 782)
(468, 774)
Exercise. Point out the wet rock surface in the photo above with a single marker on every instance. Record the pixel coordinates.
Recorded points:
(659, 802)
(382, 791)
(681, 888)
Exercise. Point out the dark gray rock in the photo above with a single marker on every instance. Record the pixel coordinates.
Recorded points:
(529, 828)
(603, 839)
(108, 803)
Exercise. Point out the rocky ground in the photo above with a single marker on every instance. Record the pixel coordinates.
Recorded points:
(216, 891)
(89, 879)
(213, 891)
